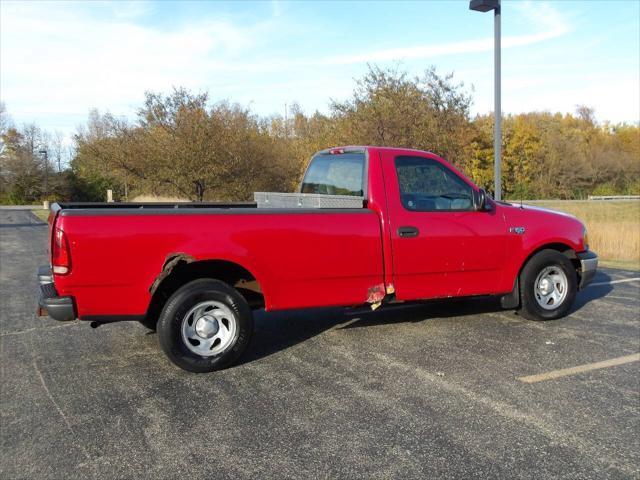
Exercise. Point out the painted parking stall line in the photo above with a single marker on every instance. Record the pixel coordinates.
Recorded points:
(580, 369)
(624, 280)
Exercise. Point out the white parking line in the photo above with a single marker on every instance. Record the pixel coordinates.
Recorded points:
(625, 280)
(581, 368)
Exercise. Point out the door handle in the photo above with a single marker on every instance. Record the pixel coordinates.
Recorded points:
(408, 232)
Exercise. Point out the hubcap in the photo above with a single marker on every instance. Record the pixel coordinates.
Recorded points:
(546, 286)
(209, 328)
(550, 287)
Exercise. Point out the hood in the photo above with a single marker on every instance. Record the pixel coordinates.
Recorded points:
(543, 225)
(536, 208)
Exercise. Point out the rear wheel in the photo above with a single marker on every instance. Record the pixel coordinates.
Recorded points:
(548, 285)
(205, 326)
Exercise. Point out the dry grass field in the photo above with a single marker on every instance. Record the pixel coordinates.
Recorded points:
(613, 226)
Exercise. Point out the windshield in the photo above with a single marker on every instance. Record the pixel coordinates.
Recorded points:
(335, 175)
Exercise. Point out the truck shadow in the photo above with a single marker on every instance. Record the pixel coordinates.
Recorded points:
(279, 331)
(22, 225)
(593, 292)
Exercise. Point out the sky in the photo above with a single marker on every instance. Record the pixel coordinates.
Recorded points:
(58, 60)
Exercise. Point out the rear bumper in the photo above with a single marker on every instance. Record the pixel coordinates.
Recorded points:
(49, 302)
(588, 266)
(44, 274)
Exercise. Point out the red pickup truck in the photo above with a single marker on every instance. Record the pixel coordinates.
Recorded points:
(370, 225)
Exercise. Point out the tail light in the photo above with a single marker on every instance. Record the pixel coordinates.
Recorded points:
(60, 254)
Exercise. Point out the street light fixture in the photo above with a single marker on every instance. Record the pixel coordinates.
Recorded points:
(486, 6)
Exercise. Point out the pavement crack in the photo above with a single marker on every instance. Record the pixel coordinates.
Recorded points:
(60, 411)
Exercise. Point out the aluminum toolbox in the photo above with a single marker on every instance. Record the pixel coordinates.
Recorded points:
(306, 200)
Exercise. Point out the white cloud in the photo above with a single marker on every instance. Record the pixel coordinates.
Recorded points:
(64, 60)
(620, 95)
(59, 60)
(548, 22)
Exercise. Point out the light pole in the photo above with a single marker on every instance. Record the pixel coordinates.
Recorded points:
(486, 6)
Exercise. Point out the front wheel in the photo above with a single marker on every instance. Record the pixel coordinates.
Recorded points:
(205, 326)
(548, 285)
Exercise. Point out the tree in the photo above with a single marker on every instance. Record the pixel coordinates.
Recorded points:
(21, 169)
(183, 144)
(389, 108)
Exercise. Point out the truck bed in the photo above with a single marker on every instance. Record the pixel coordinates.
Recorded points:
(301, 256)
(152, 205)
(274, 202)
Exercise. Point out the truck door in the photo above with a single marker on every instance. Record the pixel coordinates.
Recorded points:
(441, 245)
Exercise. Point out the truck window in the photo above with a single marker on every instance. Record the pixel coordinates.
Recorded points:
(341, 174)
(426, 185)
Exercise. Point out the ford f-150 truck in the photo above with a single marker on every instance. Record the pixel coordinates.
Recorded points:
(369, 226)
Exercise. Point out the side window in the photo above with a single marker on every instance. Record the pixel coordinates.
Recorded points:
(427, 185)
(335, 175)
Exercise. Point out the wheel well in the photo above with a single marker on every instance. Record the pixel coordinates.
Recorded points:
(179, 271)
(566, 250)
(512, 299)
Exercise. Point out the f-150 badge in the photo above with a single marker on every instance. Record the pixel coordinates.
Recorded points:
(518, 230)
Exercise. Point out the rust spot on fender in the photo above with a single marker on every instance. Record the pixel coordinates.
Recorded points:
(376, 293)
(171, 261)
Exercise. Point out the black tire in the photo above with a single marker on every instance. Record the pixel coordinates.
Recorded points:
(529, 306)
(169, 326)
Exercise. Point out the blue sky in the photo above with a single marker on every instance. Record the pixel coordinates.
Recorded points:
(58, 59)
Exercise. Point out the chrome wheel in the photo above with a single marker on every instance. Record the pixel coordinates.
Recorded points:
(209, 328)
(550, 287)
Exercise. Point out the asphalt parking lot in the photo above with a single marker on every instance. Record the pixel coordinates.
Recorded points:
(428, 391)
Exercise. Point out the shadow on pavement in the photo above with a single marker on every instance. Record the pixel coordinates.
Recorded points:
(16, 225)
(278, 331)
(593, 292)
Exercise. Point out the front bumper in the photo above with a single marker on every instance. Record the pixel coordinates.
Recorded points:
(49, 302)
(588, 266)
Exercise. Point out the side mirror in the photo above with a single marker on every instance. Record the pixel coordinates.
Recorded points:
(480, 201)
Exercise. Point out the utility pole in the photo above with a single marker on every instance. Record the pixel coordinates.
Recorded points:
(286, 122)
(486, 6)
(58, 150)
(126, 187)
(45, 154)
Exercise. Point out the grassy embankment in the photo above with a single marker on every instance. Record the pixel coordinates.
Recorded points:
(614, 227)
(41, 213)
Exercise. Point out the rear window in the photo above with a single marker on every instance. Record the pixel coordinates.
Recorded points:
(341, 174)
